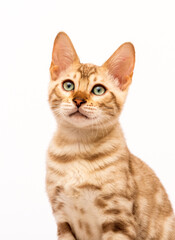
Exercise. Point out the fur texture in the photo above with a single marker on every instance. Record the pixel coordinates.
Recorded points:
(97, 188)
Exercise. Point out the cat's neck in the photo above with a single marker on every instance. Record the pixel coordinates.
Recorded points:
(74, 143)
(72, 135)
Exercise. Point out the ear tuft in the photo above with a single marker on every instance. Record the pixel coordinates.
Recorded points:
(63, 55)
(121, 64)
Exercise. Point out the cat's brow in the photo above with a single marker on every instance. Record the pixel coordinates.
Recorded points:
(85, 71)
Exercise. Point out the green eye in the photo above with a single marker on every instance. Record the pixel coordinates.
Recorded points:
(68, 85)
(98, 90)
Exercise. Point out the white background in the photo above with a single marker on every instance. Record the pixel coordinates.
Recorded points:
(97, 28)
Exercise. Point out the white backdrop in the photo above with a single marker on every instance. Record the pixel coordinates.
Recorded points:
(97, 28)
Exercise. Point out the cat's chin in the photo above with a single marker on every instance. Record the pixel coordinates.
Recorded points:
(78, 116)
(79, 120)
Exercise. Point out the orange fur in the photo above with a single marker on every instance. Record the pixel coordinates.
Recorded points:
(97, 188)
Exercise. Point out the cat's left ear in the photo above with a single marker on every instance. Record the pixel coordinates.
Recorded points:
(121, 65)
(63, 55)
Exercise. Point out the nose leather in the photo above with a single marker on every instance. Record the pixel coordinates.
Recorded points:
(78, 101)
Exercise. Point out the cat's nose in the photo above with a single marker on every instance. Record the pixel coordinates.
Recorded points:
(78, 101)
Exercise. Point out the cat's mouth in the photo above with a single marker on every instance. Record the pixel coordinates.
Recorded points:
(78, 115)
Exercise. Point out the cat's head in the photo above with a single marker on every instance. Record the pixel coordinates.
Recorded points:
(86, 95)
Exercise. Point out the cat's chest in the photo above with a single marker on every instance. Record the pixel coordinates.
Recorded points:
(81, 211)
(79, 197)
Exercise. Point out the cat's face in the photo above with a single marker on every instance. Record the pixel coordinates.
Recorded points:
(85, 95)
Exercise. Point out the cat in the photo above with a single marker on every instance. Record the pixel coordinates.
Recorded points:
(98, 190)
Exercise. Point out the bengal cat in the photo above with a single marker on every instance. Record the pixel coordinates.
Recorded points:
(98, 189)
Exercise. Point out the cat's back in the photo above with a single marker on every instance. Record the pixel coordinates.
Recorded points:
(152, 207)
(146, 180)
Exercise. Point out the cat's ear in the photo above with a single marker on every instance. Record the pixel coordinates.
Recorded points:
(121, 65)
(63, 55)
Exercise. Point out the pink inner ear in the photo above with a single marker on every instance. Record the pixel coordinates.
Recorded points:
(121, 64)
(63, 55)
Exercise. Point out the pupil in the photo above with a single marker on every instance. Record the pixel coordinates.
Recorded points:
(68, 85)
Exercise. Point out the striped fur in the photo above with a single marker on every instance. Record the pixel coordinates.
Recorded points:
(97, 189)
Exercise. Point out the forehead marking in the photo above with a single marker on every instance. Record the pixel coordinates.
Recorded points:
(85, 71)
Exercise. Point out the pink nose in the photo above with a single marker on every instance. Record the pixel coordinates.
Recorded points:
(78, 101)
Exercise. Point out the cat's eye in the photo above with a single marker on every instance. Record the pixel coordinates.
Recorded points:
(98, 90)
(68, 85)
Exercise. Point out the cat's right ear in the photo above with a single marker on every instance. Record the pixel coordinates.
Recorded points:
(63, 55)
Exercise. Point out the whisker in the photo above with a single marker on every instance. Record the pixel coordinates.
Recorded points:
(69, 105)
(54, 105)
